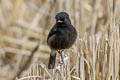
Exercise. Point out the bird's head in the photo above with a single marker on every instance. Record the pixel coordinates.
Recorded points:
(62, 18)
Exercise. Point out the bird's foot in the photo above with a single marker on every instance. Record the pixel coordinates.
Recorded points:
(61, 57)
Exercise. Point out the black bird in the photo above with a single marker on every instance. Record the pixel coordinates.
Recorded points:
(62, 36)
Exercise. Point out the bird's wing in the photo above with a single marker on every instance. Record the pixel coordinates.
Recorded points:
(52, 32)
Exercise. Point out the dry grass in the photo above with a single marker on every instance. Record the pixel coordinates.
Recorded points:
(24, 24)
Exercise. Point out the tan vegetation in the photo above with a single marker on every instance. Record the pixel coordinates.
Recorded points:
(24, 26)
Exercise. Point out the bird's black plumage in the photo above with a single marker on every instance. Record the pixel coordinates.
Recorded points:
(61, 36)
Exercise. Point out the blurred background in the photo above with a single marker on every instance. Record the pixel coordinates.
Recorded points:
(24, 26)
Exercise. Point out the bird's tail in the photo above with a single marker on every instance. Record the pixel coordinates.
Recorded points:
(52, 59)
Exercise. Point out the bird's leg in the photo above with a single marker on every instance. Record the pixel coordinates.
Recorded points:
(61, 56)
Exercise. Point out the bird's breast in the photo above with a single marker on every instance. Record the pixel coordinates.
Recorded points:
(59, 41)
(62, 39)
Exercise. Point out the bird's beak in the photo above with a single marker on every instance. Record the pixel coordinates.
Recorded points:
(59, 21)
